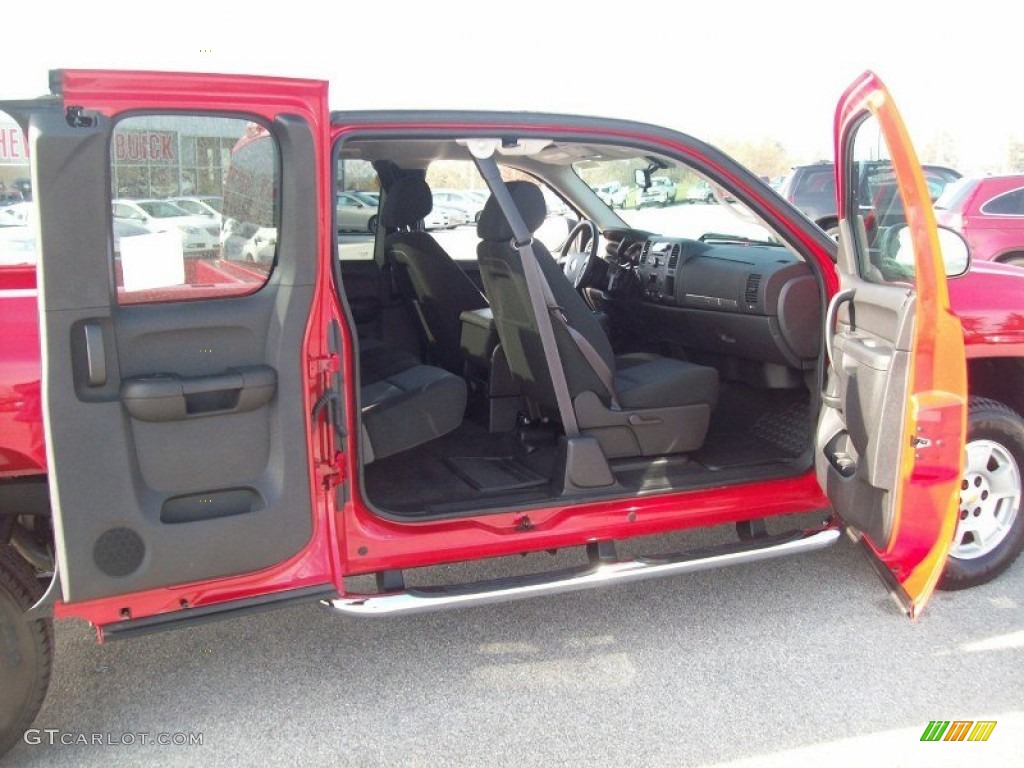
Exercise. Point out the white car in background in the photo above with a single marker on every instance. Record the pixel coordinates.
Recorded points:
(661, 192)
(261, 247)
(463, 200)
(357, 212)
(207, 207)
(456, 216)
(613, 194)
(437, 219)
(15, 215)
(198, 234)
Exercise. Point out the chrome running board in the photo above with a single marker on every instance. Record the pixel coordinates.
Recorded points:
(599, 574)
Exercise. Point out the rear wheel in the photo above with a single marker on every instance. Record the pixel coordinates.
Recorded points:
(371, 225)
(1017, 259)
(26, 648)
(990, 527)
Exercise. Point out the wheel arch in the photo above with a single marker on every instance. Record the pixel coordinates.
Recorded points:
(1009, 255)
(994, 378)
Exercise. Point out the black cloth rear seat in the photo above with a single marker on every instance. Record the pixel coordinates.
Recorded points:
(378, 361)
(405, 403)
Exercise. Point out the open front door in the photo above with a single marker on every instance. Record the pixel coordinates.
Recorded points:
(179, 252)
(890, 438)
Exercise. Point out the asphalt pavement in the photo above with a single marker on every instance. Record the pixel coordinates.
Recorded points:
(798, 661)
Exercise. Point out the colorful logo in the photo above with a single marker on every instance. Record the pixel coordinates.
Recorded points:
(958, 730)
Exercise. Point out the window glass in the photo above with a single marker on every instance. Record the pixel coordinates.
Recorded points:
(459, 195)
(1008, 204)
(356, 209)
(876, 211)
(678, 202)
(194, 204)
(17, 235)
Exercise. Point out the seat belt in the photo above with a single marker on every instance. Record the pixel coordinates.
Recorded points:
(590, 354)
(535, 284)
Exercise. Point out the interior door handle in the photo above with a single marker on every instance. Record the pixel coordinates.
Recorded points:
(830, 321)
(95, 355)
(169, 397)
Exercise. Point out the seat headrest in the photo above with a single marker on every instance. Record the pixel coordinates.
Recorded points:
(528, 199)
(408, 200)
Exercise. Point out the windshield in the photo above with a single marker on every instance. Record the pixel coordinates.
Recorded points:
(162, 210)
(191, 206)
(679, 202)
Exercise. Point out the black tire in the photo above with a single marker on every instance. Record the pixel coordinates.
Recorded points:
(1016, 259)
(26, 649)
(997, 434)
(371, 225)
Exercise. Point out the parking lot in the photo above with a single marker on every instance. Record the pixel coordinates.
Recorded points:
(689, 220)
(798, 661)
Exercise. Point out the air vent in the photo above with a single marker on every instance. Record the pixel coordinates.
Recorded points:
(753, 283)
(644, 252)
(673, 258)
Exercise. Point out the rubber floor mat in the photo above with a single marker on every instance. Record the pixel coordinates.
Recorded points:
(494, 474)
(735, 450)
(789, 429)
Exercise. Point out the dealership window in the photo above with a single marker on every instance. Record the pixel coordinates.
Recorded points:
(194, 207)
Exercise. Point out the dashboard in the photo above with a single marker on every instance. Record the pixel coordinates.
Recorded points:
(742, 302)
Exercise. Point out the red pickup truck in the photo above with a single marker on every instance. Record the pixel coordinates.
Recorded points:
(186, 435)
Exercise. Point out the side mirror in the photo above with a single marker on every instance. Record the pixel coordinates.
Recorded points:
(642, 177)
(956, 255)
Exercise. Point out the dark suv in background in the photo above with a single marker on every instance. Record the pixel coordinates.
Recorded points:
(812, 188)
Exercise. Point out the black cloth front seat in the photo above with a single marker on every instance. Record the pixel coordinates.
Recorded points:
(426, 274)
(664, 404)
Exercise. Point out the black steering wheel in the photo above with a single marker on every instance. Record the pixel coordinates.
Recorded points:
(579, 266)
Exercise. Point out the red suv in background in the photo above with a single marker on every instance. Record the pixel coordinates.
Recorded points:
(989, 213)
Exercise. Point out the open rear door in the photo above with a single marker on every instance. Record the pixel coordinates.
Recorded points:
(890, 438)
(177, 386)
